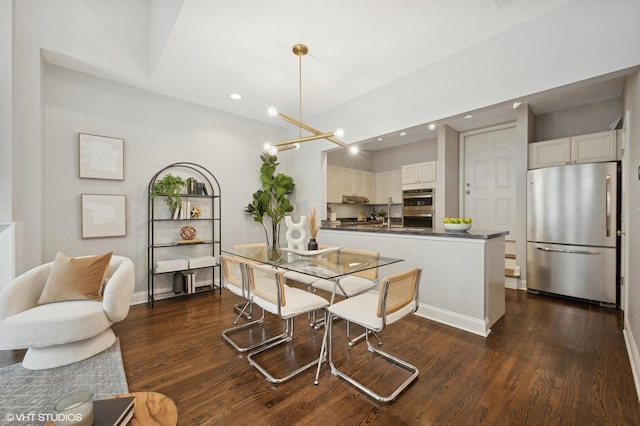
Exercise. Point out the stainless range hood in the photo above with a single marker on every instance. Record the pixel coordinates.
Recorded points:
(354, 199)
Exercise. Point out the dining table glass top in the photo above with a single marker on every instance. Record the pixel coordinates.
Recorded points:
(329, 263)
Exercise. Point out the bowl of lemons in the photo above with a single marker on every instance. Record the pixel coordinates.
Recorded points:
(457, 223)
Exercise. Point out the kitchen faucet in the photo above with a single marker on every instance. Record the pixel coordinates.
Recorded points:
(389, 213)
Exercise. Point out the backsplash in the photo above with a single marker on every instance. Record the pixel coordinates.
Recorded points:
(350, 211)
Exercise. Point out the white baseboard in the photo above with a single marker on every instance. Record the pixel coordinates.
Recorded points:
(511, 283)
(522, 284)
(463, 322)
(632, 351)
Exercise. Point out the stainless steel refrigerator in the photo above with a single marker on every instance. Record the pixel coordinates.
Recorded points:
(572, 223)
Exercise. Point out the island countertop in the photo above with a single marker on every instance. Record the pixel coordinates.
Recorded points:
(426, 232)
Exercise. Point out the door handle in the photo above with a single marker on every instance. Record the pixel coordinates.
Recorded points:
(555, 250)
(608, 206)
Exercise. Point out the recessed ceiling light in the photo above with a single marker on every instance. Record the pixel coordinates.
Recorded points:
(235, 96)
(516, 104)
(432, 126)
(468, 116)
(380, 139)
(403, 133)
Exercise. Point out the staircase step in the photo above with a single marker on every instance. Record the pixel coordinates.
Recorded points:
(509, 273)
(509, 256)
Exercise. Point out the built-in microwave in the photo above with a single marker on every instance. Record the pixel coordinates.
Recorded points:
(418, 207)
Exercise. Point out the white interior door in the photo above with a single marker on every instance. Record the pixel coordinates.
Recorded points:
(490, 179)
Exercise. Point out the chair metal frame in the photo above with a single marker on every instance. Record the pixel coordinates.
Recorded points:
(382, 306)
(241, 308)
(246, 291)
(283, 295)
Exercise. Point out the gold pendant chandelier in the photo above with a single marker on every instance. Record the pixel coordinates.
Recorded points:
(301, 50)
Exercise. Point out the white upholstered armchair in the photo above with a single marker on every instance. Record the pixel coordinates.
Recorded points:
(63, 332)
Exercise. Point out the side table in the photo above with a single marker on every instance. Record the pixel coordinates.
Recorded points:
(152, 408)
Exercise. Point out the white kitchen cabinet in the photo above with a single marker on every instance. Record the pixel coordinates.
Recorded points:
(369, 184)
(589, 148)
(388, 184)
(594, 148)
(343, 181)
(358, 187)
(419, 173)
(383, 187)
(348, 184)
(555, 152)
(334, 184)
(409, 174)
(396, 186)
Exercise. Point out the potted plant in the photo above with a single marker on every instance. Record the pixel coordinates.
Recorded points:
(382, 214)
(271, 199)
(170, 187)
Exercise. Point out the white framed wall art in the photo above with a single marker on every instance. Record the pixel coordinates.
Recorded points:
(101, 157)
(103, 215)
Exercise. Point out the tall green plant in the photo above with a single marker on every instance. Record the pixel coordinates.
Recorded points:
(271, 200)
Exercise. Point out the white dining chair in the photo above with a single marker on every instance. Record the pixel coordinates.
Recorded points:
(269, 291)
(236, 281)
(397, 298)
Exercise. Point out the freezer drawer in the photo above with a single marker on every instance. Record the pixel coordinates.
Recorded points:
(577, 271)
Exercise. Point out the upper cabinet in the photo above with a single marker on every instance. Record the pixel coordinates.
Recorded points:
(377, 187)
(416, 175)
(590, 148)
(342, 181)
(594, 148)
(388, 184)
(334, 184)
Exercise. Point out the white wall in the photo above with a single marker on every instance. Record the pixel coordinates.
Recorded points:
(591, 118)
(28, 130)
(157, 131)
(632, 280)
(385, 160)
(6, 117)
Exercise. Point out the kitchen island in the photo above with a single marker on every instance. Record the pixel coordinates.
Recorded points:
(462, 281)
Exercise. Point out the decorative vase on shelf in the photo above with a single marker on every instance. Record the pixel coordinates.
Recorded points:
(313, 245)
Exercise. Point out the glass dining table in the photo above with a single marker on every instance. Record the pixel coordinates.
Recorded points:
(329, 263)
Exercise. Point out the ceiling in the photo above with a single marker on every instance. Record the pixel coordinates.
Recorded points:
(201, 51)
(245, 47)
(582, 93)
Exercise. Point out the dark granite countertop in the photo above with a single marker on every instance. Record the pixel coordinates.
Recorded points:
(426, 232)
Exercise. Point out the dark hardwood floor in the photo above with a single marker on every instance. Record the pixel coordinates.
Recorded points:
(548, 361)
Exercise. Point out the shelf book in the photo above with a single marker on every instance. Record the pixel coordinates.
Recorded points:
(113, 412)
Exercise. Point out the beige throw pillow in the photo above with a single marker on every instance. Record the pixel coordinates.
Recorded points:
(75, 278)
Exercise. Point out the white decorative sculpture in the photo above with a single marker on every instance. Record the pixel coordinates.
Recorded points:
(296, 242)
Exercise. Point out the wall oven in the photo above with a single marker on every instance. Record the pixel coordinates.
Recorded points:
(418, 208)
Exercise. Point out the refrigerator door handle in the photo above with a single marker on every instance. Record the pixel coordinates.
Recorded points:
(608, 206)
(568, 251)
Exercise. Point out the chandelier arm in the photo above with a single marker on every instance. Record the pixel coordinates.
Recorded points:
(300, 124)
(286, 147)
(305, 139)
(337, 142)
(310, 129)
